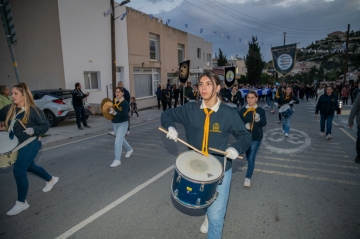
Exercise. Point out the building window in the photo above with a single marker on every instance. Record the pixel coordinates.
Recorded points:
(181, 54)
(92, 80)
(199, 53)
(154, 47)
(208, 60)
(145, 81)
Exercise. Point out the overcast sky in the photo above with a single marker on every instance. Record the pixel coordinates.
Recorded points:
(304, 21)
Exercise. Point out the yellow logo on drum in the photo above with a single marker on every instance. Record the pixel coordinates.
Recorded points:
(216, 128)
(188, 188)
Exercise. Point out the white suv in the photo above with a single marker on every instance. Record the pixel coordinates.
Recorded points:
(57, 104)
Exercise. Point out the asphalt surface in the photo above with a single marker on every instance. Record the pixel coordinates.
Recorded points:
(304, 186)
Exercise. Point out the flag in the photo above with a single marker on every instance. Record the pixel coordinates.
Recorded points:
(108, 11)
(151, 16)
(344, 46)
(239, 39)
(228, 37)
(284, 58)
(123, 16)
(229, 76)
(186, 25)
(184, 68)
(201, 30)
(168, 21)
(215, 31)
(159, 19)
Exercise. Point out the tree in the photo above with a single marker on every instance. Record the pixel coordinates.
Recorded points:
(253, 62)
(222, 61)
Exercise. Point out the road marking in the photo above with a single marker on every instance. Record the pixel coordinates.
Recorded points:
(112, 205)
(321, 158)
(91, 137)
(308, 169)
(296, 175)
(305, 162)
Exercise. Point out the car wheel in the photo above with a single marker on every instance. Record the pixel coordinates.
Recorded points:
(51, 118)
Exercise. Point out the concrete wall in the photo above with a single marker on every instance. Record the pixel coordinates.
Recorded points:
(195, 42)
(38, 49)
(139, 26)
(86, 44)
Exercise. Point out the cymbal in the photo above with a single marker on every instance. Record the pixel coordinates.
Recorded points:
(103, 102)
(105, 110)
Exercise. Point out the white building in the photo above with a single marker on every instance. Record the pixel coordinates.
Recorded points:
(64, 42)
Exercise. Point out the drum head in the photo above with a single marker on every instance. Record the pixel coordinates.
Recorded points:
(6, 145)
(198, 167)
(284, 108)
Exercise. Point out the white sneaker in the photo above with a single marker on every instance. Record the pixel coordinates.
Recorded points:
(247, 182)
(128, 153)
(111, 133)
(50, 185)
(19, 207)
(115, 163)
(286, 134)
(322, 134)
(205, 225)
(328, 137)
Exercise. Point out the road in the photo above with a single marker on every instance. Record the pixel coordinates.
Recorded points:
(303, 187)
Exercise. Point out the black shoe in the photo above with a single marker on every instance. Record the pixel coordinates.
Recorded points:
(87, 126)
(81, 128)
(357, 159)
(279, 122)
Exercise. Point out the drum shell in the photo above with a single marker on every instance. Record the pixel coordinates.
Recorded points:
(287, 113)
(6, 160)
(192, 193)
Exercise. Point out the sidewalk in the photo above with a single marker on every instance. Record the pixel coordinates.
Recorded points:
(67, 129)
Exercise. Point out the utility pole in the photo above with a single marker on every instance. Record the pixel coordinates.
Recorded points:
(346, 53)
(113, 55)
(284, 37)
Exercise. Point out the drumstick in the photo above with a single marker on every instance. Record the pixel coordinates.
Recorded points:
(21, 123)
(222, 152)
(181, 141)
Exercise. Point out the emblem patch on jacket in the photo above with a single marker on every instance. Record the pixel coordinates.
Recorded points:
(216, 128)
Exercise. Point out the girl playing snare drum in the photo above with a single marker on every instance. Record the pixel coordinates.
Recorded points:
(287, 98)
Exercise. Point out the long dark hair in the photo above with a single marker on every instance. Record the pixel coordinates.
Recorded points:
(214, 78)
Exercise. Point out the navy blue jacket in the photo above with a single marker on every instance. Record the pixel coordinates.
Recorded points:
(327, 105)
(122, 112)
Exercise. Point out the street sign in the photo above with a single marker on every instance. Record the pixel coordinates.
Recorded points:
(8, 21)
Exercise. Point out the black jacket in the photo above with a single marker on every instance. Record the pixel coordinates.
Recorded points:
(327, 105)
(77, 97)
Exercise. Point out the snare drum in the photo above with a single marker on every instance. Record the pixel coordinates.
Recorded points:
(195, 179)
(7, 158)
(286, 111)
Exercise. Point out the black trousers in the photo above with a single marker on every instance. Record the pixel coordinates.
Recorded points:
(80, 115)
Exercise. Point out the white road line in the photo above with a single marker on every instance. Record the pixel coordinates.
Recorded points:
(57, 146)
(112, 205)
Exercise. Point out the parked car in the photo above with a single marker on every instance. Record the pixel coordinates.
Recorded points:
(57, 104)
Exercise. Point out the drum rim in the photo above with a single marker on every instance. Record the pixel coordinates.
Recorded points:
(286, 107)
(15, 140)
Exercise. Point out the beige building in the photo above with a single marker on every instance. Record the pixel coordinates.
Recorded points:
(155, 50)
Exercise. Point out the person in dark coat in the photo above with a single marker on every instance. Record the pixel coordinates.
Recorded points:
(327, 105)
(176, 93)
(158, 95)
(77, 99)
(164, 97)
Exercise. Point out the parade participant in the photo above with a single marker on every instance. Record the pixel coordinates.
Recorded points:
(188, 90)
(233, 96)
(158, 95)
(254, 119)
(355, 111)
(120, 125)
(279, 93)
(77, 100)
(273, 94)
(5, 99)
(23, 110)
(176, 93)
(133, 106)
(327, 105)
(345, 94)
(287, 98)
(320, 92)
(164, 97)
(194, 94)
(210, 124)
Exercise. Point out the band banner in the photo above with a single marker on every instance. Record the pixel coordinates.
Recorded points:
(184, 68)
(284, 58)
(229, 76)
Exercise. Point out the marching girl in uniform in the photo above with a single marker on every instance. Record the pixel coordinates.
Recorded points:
(287, 98)
(23, 113)
(199, 120)
(233, 96)
(254, 119)
(120, 124)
